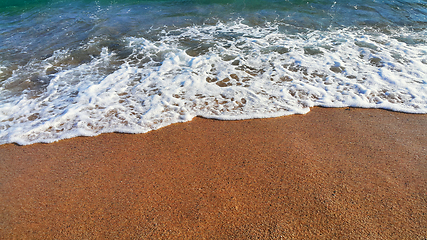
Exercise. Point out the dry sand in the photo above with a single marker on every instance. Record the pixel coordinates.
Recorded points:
(329, 174)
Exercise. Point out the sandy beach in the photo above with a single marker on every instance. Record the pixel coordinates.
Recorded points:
(334, 173)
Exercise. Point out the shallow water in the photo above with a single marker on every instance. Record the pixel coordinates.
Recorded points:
(87, 67)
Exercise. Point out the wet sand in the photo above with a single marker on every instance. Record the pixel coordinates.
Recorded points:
(329, 174)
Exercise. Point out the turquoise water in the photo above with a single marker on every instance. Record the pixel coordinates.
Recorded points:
(86, 67)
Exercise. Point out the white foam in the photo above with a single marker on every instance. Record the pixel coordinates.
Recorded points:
(246, 72)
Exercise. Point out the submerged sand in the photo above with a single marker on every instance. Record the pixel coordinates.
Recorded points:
(329, 174)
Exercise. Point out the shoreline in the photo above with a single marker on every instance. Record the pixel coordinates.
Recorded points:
(332, 173)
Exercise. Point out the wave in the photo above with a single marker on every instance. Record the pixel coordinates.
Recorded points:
(224, 71)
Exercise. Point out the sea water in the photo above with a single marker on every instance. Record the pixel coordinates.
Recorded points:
(81, 68)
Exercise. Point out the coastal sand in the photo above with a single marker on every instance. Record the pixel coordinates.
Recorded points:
(330, 174)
